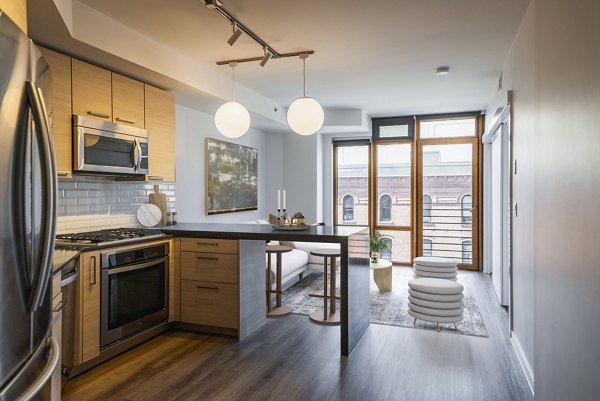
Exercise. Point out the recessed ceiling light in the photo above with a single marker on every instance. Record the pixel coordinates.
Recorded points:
(442, 71)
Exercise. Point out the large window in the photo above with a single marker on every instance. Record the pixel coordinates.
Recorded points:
(352, 183)
(348, 208)
(385, 208)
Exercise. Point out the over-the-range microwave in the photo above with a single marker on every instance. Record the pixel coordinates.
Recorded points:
(107, 148)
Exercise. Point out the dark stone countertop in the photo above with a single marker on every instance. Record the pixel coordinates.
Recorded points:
(261, 232)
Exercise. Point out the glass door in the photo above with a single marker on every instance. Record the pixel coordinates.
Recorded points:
(393, 216)
(448, 194)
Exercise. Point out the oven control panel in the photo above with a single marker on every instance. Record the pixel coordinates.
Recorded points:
(136, 255)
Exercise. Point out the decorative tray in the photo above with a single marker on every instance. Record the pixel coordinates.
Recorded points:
(290, 228)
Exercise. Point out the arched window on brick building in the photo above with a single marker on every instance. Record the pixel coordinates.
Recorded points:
(348, 203)
(387, 254)
(427, 247)
(466, 203)
(385, 208)
(427, 204)
(467, 248)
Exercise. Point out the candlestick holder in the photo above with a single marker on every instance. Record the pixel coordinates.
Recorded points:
(278, 217)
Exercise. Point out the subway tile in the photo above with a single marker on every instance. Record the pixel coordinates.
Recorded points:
(87, 185)
(62, 200)
(101, 208)
(75, 193)
(89, 201)
(100, 193)
(67, 184)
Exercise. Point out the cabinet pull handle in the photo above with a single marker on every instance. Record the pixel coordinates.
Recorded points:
(203, 287)
(63, 174)
(92, 272)
(207, 243)
(207, 257)
(156, 178)
(101, 115)
(61, 305)
(124, 120)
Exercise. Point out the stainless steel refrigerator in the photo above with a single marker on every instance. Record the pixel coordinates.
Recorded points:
(28, 353)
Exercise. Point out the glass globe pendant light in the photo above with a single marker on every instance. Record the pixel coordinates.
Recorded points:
(232, 119)
(305, 115)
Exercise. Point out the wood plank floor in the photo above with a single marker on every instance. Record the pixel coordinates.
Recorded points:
(293, 359)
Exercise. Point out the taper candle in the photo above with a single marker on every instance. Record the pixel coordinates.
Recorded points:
(278, 199)
(284, 199)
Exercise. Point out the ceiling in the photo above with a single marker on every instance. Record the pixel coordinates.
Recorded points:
(376, 56)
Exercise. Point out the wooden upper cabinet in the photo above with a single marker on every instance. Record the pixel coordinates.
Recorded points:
(17, 11)
(92, 91)
(127, 101)
(160, 123)
(60, 67)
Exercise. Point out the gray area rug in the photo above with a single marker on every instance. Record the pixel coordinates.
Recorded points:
(387, 308)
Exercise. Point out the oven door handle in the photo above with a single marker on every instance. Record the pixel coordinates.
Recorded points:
(136, 266)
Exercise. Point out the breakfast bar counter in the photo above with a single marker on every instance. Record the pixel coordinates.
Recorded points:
(252, 238)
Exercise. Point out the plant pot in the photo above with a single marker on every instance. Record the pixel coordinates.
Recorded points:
(299, 222)
(375, 257)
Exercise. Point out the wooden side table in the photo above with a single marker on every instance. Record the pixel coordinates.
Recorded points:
(332, 317)
(382, 274)
(279, 310)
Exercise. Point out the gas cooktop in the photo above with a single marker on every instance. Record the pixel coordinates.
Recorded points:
(107, 237)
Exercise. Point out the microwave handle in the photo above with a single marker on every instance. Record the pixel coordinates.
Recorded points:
(137, 155)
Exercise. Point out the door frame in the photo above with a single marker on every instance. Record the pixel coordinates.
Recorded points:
(476, 194)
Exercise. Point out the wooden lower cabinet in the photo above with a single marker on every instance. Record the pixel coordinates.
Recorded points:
(209, 285)
(210, 304)
(213, 267)
(89, 286)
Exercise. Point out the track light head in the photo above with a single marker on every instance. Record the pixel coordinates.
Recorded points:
(212, 4)
(237, 32)
(266, 58)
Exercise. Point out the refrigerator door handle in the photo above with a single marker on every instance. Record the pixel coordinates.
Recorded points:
(42, 129)
(46, 374)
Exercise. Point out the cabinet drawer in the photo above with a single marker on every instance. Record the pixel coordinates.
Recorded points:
(211, 304)
(209, 245)
(213, 267)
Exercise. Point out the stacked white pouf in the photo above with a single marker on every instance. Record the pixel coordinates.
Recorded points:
(434, 267)
(435, 300)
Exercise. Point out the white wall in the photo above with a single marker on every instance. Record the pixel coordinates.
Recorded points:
(274, 170)
(519, 76)
(193, 127)
(567, 196)
(300, 174)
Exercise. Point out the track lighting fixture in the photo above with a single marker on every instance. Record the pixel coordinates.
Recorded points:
(266, 57)
(305, 115)
(232, 119)
(237, 32)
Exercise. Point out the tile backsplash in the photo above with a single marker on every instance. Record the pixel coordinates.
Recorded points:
(91, 203)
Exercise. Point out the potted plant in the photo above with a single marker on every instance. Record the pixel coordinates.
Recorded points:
(377, 244)
(298, 219)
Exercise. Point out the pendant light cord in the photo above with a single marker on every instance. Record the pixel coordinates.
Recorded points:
(233, 82)
(304, 75)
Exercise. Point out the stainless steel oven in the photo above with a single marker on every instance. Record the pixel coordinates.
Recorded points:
(103, 147)
(134, 291)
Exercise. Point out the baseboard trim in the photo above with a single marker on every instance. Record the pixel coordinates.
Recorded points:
(525, 366)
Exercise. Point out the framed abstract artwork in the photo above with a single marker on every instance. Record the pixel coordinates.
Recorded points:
(231, 177)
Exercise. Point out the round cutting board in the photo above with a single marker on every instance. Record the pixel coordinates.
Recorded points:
(149, 215)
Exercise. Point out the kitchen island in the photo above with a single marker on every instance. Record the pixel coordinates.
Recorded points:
(252, 238)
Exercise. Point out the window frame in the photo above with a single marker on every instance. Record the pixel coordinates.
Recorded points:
(378, 122)
(463, 211)
(430, 208)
